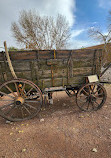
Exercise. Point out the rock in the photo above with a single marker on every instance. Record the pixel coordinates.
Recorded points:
(42, 120)
(94, 150)
(50, 101)
(11, 133)
(8, 122)
(64, 104)
(17, 139)
(23, 150)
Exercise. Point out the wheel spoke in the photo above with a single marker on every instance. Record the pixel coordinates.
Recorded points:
(99, 95)
(6, 95)
(89, 87)
(88, 105)
(93, 88)
(23, 87)
(97, 90)
(10, 110)
(85, 92)
(29, 91)
(82, 96)
(97, 103)
(84, 103)
(17, 89)
(5, 106)
(99, 98)
(27, 109)
(5, 100)
(10, 90)
(30, 106)
(92, 105)
(22, 113)
(21, 90)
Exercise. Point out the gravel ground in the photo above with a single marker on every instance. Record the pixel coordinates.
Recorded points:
(60, 131)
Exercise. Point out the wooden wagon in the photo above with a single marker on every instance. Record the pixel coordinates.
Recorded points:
(42, 72)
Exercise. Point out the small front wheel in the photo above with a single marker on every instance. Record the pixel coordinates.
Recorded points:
(91, 97)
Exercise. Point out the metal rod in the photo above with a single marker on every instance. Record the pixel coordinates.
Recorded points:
(105, 70)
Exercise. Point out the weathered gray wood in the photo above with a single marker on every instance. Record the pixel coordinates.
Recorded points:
(49, 68)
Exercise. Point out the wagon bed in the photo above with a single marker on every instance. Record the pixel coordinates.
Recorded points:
(52, 68)
(39, 73)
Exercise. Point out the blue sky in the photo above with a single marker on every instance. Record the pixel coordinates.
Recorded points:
(92, 13)
(81, 14)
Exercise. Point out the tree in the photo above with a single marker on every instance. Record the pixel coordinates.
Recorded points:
(41, 32)
(97, 34)
(12, 49)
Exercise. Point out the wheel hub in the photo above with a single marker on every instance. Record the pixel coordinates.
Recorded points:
(91, 98)
(19, 101)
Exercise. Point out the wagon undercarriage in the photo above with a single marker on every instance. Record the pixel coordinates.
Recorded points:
(21, 99)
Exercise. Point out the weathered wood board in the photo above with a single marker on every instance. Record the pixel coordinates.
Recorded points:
(49, 68)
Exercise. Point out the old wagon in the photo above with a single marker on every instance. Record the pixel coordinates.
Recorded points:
(42, 72)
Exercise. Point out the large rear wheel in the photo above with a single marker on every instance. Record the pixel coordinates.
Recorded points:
(20, 100)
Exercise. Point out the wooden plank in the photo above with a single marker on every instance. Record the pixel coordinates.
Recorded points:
(49, 54)
(21, 66)
(25, 75)
(1, 56)
(46, 83)
(77, 80)
(82, 71)
(62, 54)
(46, 54)
(22, 55)
(44, 74)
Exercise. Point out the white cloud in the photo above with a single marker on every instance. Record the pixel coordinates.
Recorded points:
(9, 12)
(75, 43)
(64, 7)
(104, 3)
(78, 44)
(75, 33)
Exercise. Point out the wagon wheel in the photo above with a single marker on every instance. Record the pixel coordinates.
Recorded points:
(91, 96)
(17, 102)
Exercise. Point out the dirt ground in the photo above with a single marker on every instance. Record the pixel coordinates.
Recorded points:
(60, 131)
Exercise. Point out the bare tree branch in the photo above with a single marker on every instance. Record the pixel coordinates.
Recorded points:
(41, 32)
